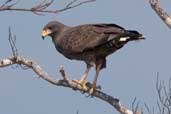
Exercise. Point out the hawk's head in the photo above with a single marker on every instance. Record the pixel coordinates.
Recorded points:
(53, 29)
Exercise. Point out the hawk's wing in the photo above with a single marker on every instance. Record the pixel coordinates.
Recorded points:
(80, 38)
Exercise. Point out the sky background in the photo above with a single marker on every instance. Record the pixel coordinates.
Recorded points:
(131, 72)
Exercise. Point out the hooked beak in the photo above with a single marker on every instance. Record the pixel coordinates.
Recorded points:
(45, 33)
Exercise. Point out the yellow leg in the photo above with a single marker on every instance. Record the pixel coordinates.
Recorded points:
(82, 81)
(93, 86)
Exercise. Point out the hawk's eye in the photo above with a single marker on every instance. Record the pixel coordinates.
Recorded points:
(50, 28)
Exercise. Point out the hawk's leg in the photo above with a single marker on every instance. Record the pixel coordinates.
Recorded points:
(82, 81)
(93, 86)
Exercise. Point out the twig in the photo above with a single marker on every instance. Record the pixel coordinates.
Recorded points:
(135, 106)
(62, 71)
(12, 41)
(147, 108)
(76, 5)
(42, 7)
(161, 13)
(164, 103)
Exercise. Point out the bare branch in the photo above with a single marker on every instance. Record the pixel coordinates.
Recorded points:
(161, 13)
(42, 7)
(12, 42)
(164, 103)
(65, 83)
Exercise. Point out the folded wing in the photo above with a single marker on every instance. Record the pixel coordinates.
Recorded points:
(84, 37)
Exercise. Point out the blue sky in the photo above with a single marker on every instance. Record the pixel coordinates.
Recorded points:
(131, 72)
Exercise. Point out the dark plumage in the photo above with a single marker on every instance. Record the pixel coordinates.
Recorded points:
(91, 43)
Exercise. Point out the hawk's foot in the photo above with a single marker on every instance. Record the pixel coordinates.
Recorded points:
(82, 83)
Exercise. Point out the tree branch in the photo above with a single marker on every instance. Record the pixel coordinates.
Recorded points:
(42, 7)
(161, 13)
(64, 82)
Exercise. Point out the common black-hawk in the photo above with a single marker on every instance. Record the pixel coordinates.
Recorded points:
(90, 43)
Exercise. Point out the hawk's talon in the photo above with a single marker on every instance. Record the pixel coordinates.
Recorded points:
(91, 89)
(82, 83)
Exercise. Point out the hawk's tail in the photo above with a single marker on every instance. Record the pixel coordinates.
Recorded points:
(119, 41)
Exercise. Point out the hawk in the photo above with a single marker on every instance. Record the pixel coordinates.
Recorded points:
(90, 43)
